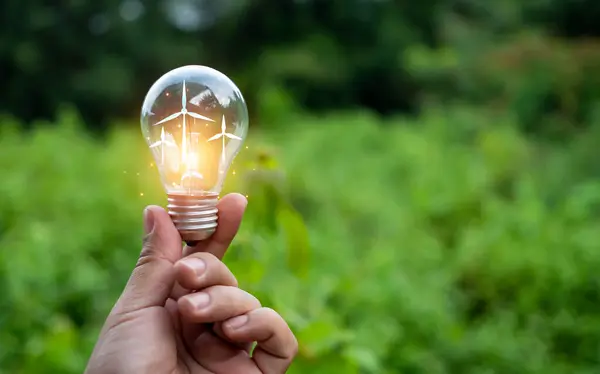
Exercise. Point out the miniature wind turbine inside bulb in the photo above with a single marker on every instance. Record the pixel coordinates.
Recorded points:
(194, 120)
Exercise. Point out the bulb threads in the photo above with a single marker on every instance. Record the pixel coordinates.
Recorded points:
(194, 216)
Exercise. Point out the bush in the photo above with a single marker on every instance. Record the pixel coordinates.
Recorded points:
(549, 84)
(454, 246)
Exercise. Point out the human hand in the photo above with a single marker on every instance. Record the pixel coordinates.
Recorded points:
(159, 326)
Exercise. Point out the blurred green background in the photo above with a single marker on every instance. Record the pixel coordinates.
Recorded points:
(422, 175)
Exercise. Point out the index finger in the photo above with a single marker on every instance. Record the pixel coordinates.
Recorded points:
(231, 210)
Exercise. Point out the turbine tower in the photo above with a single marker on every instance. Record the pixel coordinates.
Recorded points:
(162, 142)
(222, 135)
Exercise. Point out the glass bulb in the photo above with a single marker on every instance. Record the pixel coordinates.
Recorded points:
(194, 120)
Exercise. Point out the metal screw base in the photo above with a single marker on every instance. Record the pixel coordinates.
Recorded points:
(194, 216)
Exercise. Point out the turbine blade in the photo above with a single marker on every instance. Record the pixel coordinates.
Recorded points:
(198, 116)
(214, 137)
(223, 126)
(231, 136)
(169, 118)
(155, 144)
(183, 97)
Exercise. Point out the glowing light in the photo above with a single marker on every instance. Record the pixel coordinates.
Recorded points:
(193, 161)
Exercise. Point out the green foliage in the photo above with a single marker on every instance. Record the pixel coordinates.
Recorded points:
(454, 246)
(388, 56)
(549, 84)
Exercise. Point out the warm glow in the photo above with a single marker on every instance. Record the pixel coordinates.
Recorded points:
(192, 161)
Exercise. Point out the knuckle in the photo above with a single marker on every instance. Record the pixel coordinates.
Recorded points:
(150, 251)
(205, 256)
(143, 260)
(218, 294)
(148, 246)
(290, 347)
(293, 349)
(218, 272)
(232, 297)
(254, 299)
(270, 314)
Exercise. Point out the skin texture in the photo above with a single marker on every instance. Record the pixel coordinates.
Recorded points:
(159, 325)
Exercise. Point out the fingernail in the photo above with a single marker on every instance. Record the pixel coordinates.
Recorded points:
(195, 264)
(237, 322)
(148, 221)
(199, 300)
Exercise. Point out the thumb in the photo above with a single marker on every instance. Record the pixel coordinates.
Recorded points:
(153, 276)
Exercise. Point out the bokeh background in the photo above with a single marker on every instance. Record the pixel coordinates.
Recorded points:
(422, 175)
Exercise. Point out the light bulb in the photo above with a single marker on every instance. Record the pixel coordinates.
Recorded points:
(195, 120)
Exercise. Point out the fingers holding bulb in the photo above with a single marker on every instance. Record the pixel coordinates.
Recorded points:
(231, 210)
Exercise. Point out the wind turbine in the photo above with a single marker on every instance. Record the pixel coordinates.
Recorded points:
(162, 142)
(222, 135)
(183, 112)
